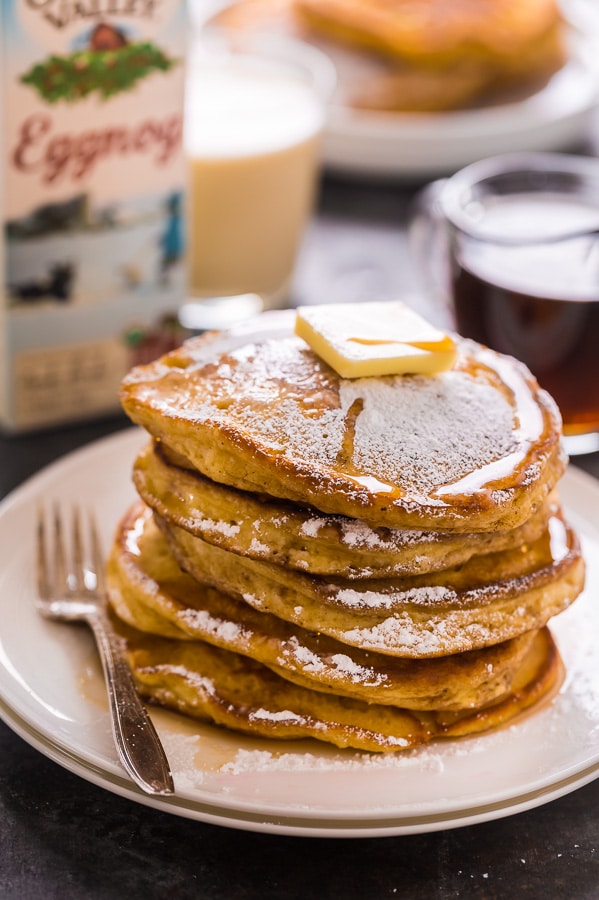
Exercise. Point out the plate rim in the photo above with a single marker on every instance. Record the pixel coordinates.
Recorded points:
(349, 826)
(399, 144)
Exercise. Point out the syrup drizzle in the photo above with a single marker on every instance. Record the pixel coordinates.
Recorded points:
(529, 427)
(345, 457)
(346, 451)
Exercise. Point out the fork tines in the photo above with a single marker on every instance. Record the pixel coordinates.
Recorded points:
(55, 570)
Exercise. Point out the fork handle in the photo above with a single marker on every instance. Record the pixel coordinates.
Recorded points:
(136, 739)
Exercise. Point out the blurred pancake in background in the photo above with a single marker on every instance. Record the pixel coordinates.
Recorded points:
(421, 55)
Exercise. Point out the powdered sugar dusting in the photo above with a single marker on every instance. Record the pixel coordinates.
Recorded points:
(415, 432)
(258, 548)
(311, 527)
(223, 630)
(309, 661)
(429, 596)
(357, 534)
(283, 715)
(424, 759)
(431, 430)
(227, 529)
(355, 672)
(338, 664)
(400, 631)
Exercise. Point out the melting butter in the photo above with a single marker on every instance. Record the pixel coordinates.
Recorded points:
(372, 339)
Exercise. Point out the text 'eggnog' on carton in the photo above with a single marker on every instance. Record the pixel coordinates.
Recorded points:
(91, 194)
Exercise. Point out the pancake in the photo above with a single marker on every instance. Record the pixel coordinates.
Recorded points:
(480, 603)
(211, 684)
(476, 448)
(281, 533)
(425, 56)
(440, 33)
(149, 591)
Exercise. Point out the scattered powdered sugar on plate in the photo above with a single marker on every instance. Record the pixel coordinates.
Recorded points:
(426, 759)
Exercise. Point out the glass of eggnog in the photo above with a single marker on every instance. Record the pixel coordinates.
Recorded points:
(255, 112)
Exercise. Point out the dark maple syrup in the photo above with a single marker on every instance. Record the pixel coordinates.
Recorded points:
(538, 301)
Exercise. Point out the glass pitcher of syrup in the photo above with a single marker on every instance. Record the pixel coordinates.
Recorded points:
(513, 244)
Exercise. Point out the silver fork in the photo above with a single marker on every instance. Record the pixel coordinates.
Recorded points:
(73, 590)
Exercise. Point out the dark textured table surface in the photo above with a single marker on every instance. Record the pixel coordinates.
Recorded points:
(62, 837)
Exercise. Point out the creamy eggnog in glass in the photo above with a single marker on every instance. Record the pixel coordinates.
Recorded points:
(254, 117)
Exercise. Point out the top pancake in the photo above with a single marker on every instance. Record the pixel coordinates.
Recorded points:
(473, 449)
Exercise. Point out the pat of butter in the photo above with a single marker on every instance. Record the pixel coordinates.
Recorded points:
(368, 339)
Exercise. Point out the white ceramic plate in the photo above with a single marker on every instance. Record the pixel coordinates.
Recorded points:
(52, 694)
(419, 145)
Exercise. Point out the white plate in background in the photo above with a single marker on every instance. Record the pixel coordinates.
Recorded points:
(423, 145)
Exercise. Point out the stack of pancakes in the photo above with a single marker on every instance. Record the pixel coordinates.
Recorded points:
(371, 562)
(420, 55)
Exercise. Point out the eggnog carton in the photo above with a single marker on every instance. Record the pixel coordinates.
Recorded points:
(91, 197)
